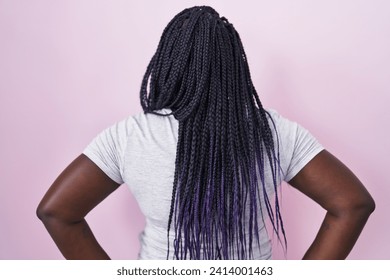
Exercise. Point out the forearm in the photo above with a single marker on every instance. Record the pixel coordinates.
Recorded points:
(337, 235)
(75, 240)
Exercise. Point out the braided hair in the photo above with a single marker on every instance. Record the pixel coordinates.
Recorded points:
(200, 72)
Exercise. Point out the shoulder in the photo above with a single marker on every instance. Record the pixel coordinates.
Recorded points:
(142, 117)
(283, 126)
(296, 144)
(135, 123)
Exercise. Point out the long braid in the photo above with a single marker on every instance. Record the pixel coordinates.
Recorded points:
(225, 143)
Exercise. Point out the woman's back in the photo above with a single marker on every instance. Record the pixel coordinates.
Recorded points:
(141, 150)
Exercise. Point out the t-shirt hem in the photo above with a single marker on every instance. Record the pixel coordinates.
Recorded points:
(302, 163)
(95, 159)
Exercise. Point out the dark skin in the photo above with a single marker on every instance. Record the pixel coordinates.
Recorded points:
(82, 186)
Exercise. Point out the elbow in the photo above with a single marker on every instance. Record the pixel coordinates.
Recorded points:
(43, 213)
(359, 208)
(367, 205)
(371, 205)
(364, 211)
(50, 213)
(47, 213)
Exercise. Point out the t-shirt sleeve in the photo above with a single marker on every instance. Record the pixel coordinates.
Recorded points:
(107, 149)
(297, 145)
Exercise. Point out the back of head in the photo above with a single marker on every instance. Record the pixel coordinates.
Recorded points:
(200, 71)
(191, 45)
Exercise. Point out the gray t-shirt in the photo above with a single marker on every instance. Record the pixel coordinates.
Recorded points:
(140, 151)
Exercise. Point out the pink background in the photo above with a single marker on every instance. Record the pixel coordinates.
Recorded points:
(68, 69)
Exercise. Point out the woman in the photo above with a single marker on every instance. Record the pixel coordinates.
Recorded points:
(205, 161)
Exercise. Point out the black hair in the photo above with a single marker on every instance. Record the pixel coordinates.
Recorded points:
(225, 143)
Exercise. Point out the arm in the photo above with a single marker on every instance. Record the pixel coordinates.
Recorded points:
(78, 189)
(332, 185)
